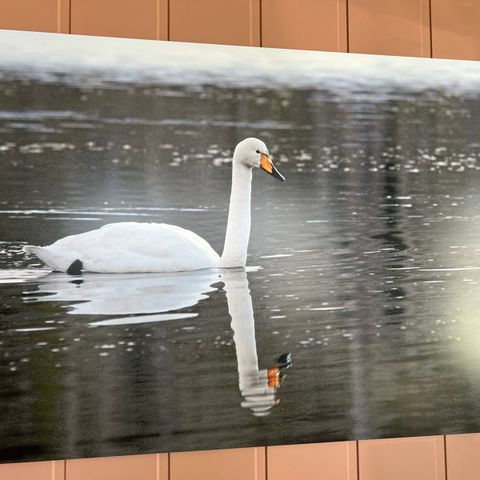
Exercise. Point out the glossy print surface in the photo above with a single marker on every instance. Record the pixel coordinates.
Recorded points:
(356, 317)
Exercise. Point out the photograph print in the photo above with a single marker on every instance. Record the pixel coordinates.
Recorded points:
(207, 247)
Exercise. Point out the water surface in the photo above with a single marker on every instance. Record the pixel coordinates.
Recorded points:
(364, 266)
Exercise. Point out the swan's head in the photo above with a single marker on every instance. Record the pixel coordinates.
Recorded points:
(252, 152)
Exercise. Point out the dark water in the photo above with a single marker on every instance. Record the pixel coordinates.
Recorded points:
(364, 266)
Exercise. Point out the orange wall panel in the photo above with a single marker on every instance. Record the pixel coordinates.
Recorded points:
(33, 471)
(335, 461)
(456, 29)
(138, 467)
(463, 457)
(232, 22)
(232, 464)
(120, 18)
(305, 24)
(35, 15)
(418, 458)
(389, 27)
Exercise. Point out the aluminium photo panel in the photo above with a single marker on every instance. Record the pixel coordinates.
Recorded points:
(342, 303)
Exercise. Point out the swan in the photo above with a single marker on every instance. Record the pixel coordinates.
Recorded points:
(134, 247)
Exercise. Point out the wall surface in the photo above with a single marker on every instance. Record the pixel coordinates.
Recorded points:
(421, 28)
(427, 28)
(451, 457)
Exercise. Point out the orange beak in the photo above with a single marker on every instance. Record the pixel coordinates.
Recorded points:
(267, 165)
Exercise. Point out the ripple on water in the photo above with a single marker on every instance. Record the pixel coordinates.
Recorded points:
(138, 319)
(22, 275)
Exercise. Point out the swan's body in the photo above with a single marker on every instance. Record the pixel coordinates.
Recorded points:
(131, 247)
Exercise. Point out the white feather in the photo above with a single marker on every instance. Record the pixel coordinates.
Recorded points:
(129, 247)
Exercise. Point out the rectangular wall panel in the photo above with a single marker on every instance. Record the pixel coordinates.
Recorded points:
(232, 22)
(305, 24)
(35, 15)
(121, 18)
(232, 464)
(418, 458)
(138, 467)
(389, 27)
(335, 461)
(463, 457)
(456, 29)
(33, 471)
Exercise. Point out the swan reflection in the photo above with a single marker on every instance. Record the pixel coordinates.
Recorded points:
(142, 298)
(126, 294)
(257, 386)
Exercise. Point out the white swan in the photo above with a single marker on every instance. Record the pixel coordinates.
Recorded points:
(131, 247)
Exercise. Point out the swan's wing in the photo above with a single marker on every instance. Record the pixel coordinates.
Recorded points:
(136, 247)
(58, 258)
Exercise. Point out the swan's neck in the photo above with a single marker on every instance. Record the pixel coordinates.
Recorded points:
(238, 226)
